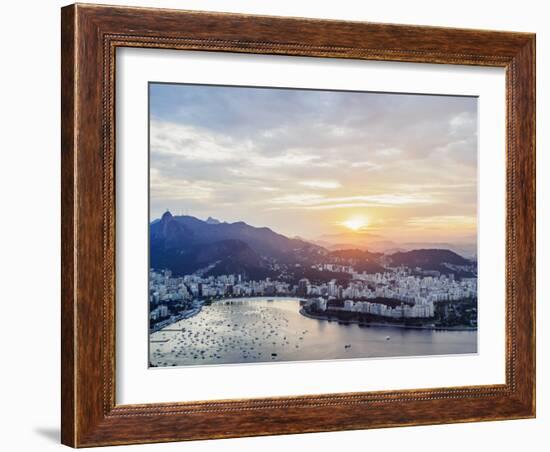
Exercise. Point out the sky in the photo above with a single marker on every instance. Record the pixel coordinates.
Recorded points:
(316, 164)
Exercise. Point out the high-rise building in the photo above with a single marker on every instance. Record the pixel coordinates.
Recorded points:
(303, 287)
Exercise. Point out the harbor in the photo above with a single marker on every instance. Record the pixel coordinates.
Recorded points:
(262, 329)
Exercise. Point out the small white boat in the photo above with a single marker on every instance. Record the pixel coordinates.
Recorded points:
(388, 338)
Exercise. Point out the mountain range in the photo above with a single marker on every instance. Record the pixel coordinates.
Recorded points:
(376, 243)
(185, 244)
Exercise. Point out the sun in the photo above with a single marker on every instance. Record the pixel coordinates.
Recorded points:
(356, 223)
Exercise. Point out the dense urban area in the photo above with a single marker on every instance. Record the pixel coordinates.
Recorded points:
(397, 296)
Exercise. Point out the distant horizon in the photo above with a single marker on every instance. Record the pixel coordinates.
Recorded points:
(313, 164)
(359, 237)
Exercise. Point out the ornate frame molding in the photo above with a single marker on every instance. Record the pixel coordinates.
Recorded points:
(90, 37)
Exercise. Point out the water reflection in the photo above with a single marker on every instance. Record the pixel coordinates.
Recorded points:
(264, 330)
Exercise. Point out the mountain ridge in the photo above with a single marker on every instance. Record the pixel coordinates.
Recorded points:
(186, 244)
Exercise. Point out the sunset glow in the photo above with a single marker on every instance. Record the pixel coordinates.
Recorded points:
(355, 224)
(280, 216)
(330, 166)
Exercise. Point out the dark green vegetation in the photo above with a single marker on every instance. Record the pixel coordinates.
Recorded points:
(459, 314)
(456, 313)
(443, 261)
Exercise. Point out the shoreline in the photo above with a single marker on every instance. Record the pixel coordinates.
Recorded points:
(386, 325)
(187, 314)
(195, 311)
(260, 298)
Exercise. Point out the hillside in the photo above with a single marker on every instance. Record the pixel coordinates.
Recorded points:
(185, 244)
(444, 261)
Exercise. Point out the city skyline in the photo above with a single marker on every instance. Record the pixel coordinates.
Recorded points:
(317, 163)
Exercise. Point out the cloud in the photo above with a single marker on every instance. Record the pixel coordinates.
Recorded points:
(190, 143)
(388, 152)
(293, 157)
(181, 189)
(322, 184)
(445, 220)
(304, 199)
(303, 160)
(462, 122)
(316, 201)
(366, 165)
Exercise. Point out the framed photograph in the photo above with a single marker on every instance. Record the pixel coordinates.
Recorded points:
(281, 225)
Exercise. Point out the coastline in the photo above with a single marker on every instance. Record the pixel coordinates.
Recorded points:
(260, 298)
(193, 312)
(385, 324)
(187, 314)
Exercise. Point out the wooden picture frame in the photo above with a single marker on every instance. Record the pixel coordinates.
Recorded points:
(90, 36)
